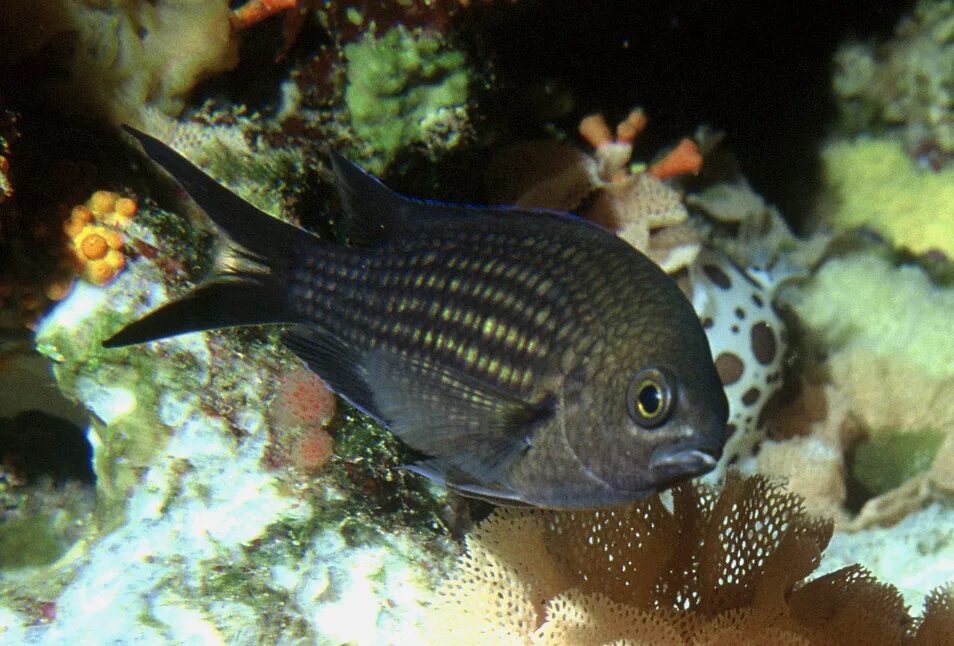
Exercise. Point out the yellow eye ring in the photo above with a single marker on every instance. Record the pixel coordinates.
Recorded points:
(649, 397)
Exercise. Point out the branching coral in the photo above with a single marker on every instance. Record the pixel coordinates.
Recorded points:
(631, 200)
(635, 202)
(715, 569)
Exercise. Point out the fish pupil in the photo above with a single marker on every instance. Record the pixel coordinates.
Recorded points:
(650, 400)
(650, 397)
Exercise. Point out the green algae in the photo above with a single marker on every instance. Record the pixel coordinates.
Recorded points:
(177, 237)
(262, 178)
(133, 433)
(29, 542)
(401, 88)
(251, 580)
(369, 466)
(888, 460)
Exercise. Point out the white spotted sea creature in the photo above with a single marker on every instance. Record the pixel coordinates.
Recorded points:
(747, 339)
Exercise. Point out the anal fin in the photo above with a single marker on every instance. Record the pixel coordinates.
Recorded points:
(458, 482)
(336, 363)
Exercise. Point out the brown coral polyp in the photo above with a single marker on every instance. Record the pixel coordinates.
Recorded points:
(94, 246)
(102, 202)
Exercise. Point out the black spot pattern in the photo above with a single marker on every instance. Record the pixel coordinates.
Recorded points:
(717, 276)
(763, 343)
(750, 396)
(730, 368)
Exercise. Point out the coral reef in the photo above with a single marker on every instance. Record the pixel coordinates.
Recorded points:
(229, 146)
(903, 84)
(886, 332)
(196, 532)
(634, 201)
(404, 88)
(753, 233)
(916, 554)
(714, 567)
(210, 489)
(871, 182)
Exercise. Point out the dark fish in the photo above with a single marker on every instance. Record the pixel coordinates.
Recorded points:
(536, 358)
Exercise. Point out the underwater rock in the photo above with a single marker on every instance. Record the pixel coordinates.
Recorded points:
(114, 58)
(915, 555)
(195, 535)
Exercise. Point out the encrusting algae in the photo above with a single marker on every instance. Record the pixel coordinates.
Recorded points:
(715, 568)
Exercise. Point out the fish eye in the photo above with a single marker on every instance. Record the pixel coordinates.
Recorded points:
(649, 397)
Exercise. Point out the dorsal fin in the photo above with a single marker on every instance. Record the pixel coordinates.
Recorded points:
(372, 208)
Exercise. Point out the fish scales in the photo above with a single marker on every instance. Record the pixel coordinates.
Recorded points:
(534, 358)
(446, 309)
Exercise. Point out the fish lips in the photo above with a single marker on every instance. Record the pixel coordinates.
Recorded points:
(678, 461)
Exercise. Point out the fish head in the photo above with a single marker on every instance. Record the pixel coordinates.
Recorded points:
(655, 414)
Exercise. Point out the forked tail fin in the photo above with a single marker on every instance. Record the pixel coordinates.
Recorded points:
(251, 277)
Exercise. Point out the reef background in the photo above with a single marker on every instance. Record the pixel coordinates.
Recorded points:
(122, 475)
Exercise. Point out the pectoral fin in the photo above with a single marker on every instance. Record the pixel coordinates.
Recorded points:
(465, 424)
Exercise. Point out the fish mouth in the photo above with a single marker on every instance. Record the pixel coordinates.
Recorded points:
(670, 463)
